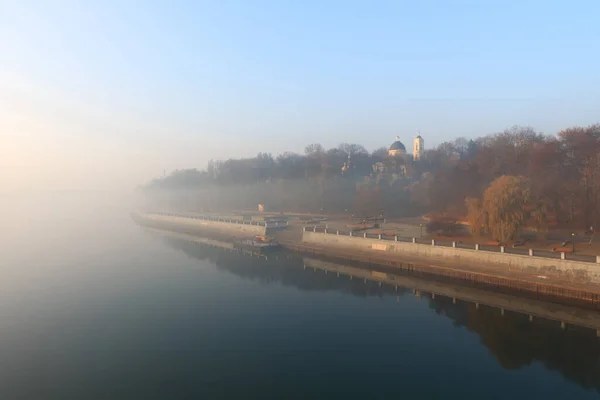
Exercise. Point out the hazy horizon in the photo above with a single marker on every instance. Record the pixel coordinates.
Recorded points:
(108, 96)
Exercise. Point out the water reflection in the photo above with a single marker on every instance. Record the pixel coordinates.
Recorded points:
(513, 339)
(516, 342)
(285, 271)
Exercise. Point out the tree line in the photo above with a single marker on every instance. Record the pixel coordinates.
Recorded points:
(499, 183)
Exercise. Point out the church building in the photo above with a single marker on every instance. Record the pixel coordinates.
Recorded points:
(418, 147)
(397, 160)
(398, 149)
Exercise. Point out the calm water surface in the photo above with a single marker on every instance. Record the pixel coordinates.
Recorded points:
(94, 307)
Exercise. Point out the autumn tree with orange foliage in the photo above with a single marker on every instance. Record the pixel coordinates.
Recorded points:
(476, 216)
(505, 204)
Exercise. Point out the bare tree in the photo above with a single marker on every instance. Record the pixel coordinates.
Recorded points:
(380, 152)
(352, 148)
(314, 149)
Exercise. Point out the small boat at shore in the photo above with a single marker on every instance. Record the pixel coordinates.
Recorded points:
(259, 243)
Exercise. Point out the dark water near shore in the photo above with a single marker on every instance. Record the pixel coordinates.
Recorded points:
(94, 307)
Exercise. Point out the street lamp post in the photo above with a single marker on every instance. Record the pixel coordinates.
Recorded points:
(573, 240)
(421, 226)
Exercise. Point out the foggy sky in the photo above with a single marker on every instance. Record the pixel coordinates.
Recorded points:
(109, 95)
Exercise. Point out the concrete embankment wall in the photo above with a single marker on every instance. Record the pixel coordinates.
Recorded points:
(591, 271)
(234, 228)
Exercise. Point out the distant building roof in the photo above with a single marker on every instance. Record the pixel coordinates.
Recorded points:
(397, 145)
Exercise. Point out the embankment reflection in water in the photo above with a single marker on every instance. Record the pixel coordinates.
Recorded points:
(513, 339)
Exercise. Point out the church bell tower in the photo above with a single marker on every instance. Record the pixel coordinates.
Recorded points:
(419, 147)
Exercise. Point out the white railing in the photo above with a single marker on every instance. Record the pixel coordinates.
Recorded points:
(476, 246)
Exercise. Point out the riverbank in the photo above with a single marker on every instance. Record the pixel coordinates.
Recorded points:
(580, 288)
(396, 279)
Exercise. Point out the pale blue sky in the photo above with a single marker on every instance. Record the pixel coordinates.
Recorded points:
(119, 90)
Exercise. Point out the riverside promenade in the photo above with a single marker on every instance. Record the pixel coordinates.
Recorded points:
(569, 279)
(394, 279)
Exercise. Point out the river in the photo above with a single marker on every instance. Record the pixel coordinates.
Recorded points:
(95, 307)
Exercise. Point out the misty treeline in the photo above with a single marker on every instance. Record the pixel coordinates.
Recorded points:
(517, 177)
